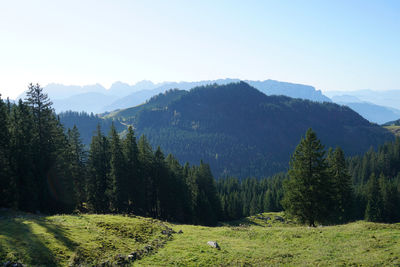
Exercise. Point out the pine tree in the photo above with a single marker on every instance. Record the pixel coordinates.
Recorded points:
(118, 174)
(146, 174)
(342, 185)
(373, 212)
(22, 154)
(208, 206)
(98, 184)
(77, 166)
(390, 200)
(308, 191)
(7, 180)
(43, 142)
(135, 194)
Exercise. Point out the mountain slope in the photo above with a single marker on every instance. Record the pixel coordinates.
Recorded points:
(271, 87)
(372, 112)
(241, 131)
(387, 98)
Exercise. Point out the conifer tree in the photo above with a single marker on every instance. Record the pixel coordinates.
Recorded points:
(98, 185)
(342, 185)
(146, 163)
(308, 190)
(44, 124)
(208, 205)
(373, 211)
(22, 154)
(77, 166)
(135, 184)
(7, 180)
(118, 176)
(390, 200)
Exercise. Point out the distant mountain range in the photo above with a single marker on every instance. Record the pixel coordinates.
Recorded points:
(376, 106)
(241, 131)
(97, 99)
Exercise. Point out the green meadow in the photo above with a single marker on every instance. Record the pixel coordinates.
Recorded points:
(107, 240)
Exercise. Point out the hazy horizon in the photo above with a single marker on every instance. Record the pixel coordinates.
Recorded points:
(333, 46)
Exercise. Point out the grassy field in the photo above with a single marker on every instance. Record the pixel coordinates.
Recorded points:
(94, 239)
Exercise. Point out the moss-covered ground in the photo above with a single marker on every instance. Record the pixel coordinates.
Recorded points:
(260, 240)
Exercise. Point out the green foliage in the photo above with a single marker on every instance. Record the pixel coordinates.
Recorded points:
(241, 131)
(241, 198)
(342, 185)
(373, 212)
(99, 186)
(308, 194)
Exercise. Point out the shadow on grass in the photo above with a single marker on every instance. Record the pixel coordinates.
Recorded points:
(21, 244)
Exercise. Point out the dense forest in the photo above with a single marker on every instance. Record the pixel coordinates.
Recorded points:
(367, 187)
(243, 132)
(46, 168)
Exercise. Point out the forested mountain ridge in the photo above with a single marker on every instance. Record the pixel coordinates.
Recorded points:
(242, 132)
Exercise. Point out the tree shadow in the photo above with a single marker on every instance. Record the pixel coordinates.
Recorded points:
(58, 233)
(19, 243)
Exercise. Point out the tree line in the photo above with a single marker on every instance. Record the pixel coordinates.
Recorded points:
(45, 168)
(322, 186)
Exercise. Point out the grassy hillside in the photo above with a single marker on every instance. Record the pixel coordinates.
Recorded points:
(255, 241)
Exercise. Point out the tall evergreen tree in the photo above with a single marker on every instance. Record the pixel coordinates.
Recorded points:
(373, 212)
(77, 166)
(342, 185)
(208, 205)
(22, 154)
(390, 200)
(98, 185)
(135, 184)
(7, 180)
(308, 190)
(146, 163)
(43, 141)
(118, 174)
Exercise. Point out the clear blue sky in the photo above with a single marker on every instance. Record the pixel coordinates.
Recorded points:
(332, 45)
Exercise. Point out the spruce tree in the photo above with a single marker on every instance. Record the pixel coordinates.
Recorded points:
(146, 174)
(135, 184)
(373, 211)
(118, 176)
(308, 193)
(44, 123)
(342, 185)
(77, 166)
(7, 180)
(22, 154)
(98, 184)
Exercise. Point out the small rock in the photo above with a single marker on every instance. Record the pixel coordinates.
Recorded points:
(213, 244)
(133, 256)
(279, 218)
(268, 218)
(180, 232)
